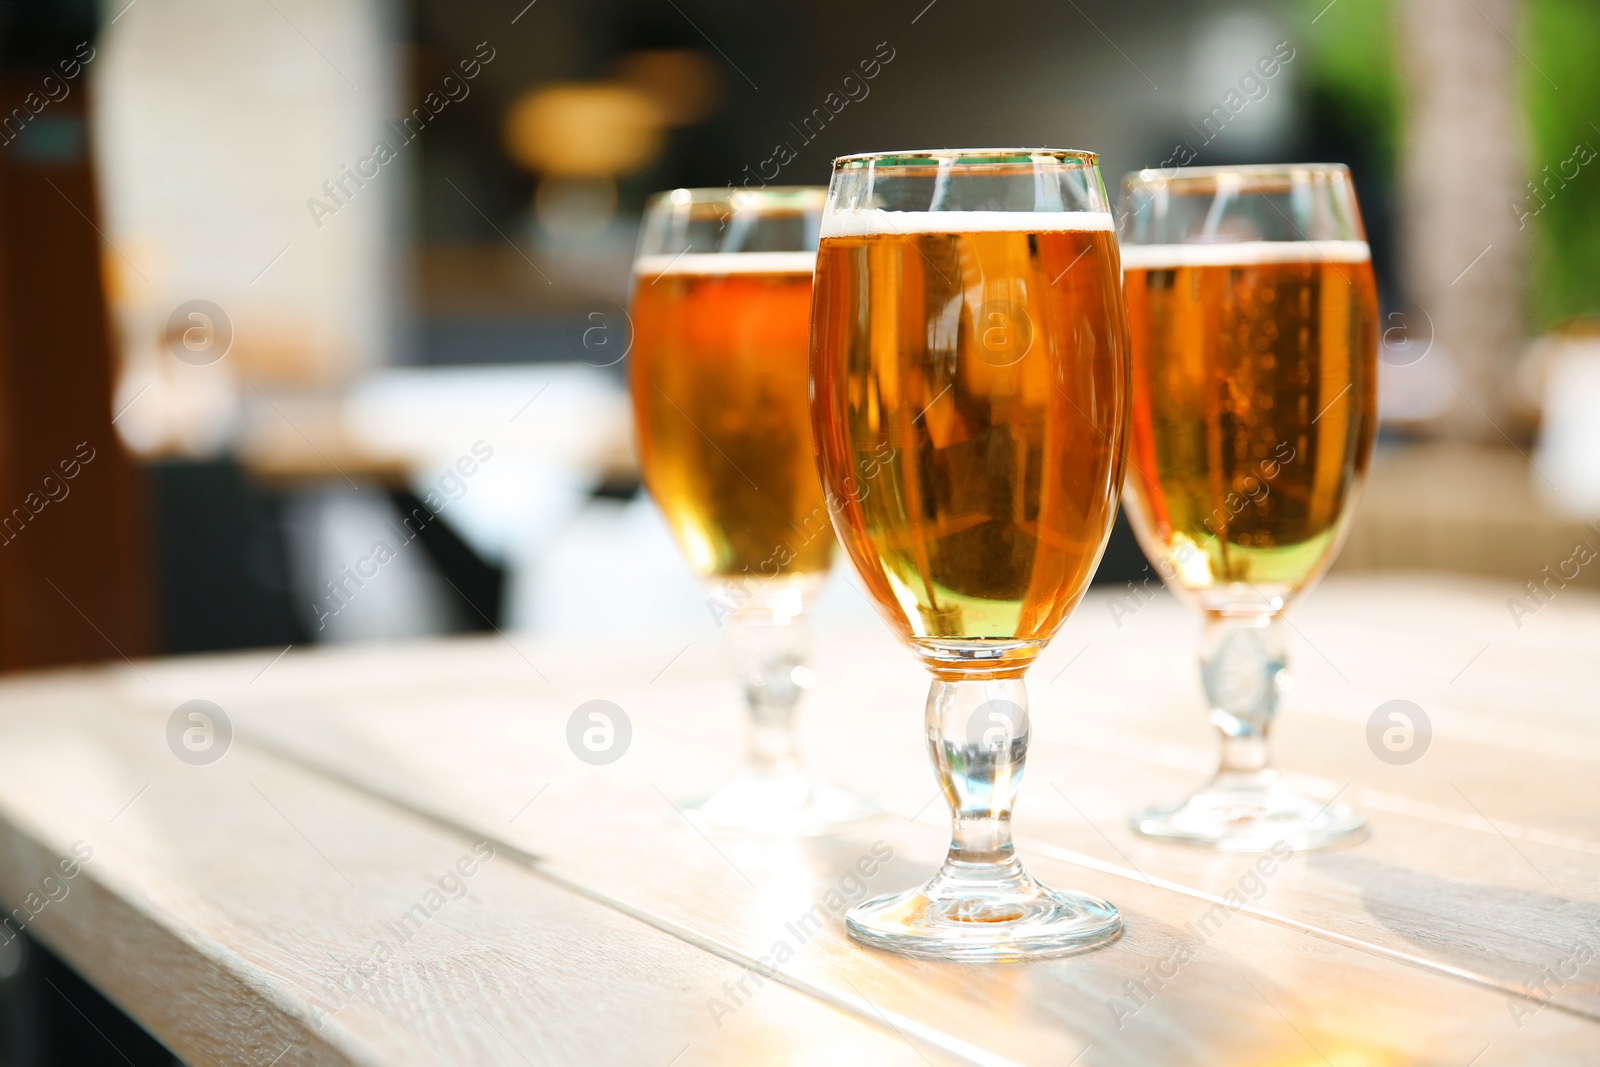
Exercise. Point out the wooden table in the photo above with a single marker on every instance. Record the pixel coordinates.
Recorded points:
(321, 894)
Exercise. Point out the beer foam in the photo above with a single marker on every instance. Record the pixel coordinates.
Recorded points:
(715, 263)
(879, 222)
(1242, 254)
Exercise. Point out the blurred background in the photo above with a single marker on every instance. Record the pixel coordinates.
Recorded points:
(293, 271)
(284, 279)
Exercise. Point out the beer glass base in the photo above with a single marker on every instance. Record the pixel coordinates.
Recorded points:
(783, 805)
(984, 913)
(1252, 819)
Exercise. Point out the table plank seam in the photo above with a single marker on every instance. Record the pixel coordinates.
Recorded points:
(201, 950)
(1079, 859)
(534, 864)
(1137, 748)
(948, 1044)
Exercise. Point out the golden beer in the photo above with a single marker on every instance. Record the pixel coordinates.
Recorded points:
(1254, 405)
(970, 403)
(719, 387)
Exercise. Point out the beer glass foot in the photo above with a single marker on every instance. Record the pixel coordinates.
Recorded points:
(778, 805)
(984, 913)
(1252, 818)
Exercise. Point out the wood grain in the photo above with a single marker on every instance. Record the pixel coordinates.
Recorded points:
(248, 912)
(1438, 937)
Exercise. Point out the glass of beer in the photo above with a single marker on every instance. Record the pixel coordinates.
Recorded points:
(721, 309)
(1253, 317)
(969, 385)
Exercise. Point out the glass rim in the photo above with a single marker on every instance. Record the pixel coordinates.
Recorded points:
(1157, 175)
(969, 156)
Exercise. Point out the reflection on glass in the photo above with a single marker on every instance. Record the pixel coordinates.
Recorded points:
(721, 297)
(970, 408)
(1253, 318)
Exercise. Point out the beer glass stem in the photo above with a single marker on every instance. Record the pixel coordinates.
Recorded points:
(1248, 807)
(1244, 667)
(767, 652)
(981, 905)
(766, 642)
(978, 739)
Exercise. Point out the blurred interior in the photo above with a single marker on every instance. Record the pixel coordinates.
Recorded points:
(310, 275)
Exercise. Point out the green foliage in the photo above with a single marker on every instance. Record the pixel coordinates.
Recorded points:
(1560, 87)
(1352, 63)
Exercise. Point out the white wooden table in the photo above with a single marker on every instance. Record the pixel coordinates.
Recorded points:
(321, 894)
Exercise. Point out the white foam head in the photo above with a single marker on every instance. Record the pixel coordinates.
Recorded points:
(710, 264)
(877, 221)
(1242, 254)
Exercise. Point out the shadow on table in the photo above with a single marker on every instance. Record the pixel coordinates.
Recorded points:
(1511, 935)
